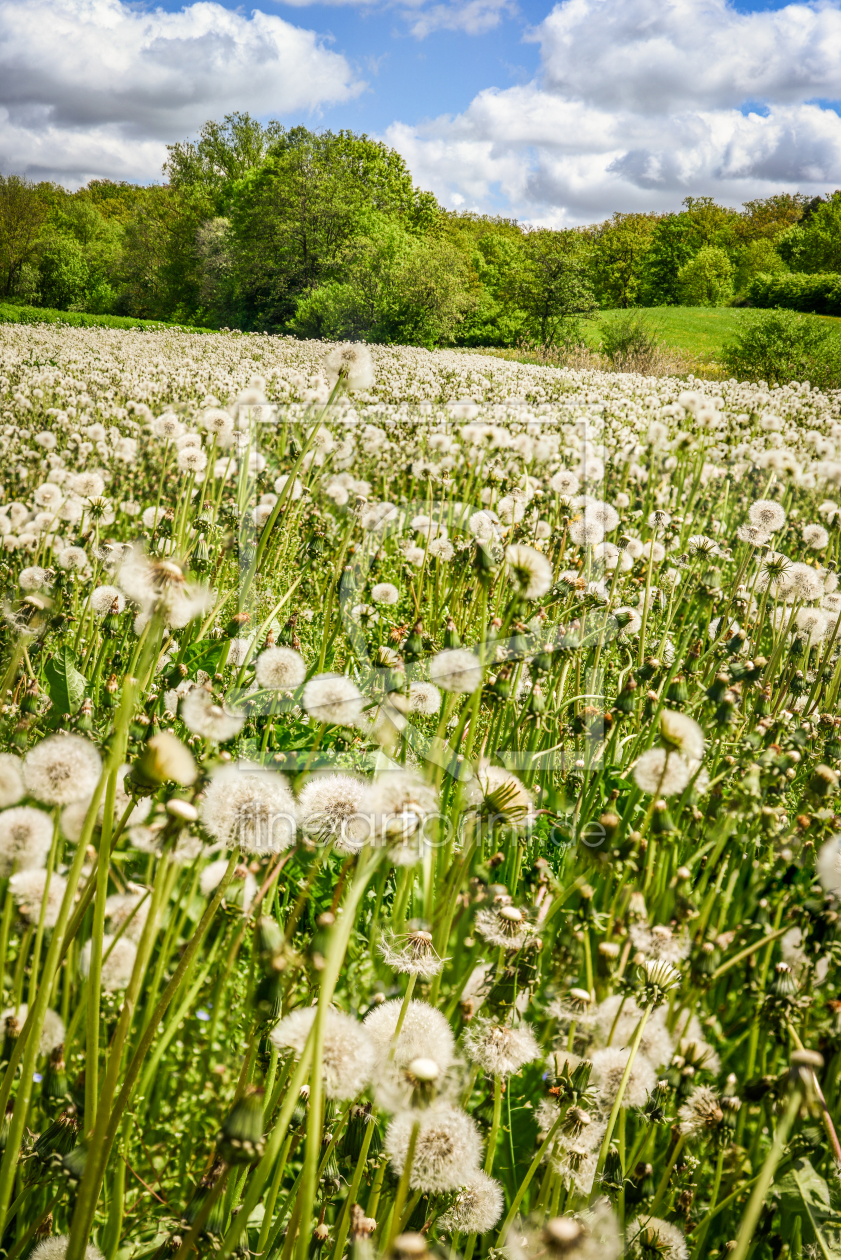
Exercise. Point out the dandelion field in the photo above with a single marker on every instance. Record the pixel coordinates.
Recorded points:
(418, 776)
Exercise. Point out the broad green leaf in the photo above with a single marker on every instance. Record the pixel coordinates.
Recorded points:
(803, 1188)
(64, 682)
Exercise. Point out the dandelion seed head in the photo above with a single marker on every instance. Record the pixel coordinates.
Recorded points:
(11, 780)
(333, 698)
(205, 716)
(249, 808)
(426, 1034)
(475, 1208)
(61, 769)
(117, 967)
(348, 1054)
(500, 1050)
(448, 1147)
(330, 809)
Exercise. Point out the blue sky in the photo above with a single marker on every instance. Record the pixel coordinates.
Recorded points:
(557, 113)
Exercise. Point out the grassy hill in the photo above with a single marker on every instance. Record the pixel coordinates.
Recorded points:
(697, 331)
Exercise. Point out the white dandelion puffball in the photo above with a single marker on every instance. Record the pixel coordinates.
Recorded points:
(117, 967)
(280, 669)
(683, 734)
(499, 1050)
(608, 1067)
(204, 716)
(131, 908)
(829, 864)
(11, 780)
(249, 808)
(648, 1235)
(425, 1034)
(52, 1034)
(661, 773)
(424, 698)
(330, 811)
(397, 805)
(28, 888)
(448, 1147)
(55, 1248)
(501, 794)
(353, 361)
(457, 670)
(767, 515)
(61, 769)
(530, 571)
(385, 593)
(348, 1054)
(25, 838)
(476, 1207)
(333, 699)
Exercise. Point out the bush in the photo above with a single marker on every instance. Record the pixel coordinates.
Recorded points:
(630, 341)
(820, 293)
(779, 346)
(707, 279)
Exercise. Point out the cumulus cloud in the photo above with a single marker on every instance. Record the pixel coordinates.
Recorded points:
(639, 105)
(95, 87)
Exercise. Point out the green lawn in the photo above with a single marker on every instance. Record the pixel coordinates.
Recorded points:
(699, 331)
(10, 313)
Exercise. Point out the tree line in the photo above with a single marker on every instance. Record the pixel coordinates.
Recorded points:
(325, 234)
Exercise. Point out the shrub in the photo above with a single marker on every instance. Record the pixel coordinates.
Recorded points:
(707, 279)
(779, 346)
(820, 293)
(630, 341)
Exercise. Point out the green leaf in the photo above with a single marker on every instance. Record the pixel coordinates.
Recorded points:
(800, 1188)
(64, 682)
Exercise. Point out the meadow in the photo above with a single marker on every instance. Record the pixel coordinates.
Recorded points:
(418, 788)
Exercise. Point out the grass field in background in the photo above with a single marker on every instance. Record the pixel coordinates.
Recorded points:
(11, 313)
(699, 331)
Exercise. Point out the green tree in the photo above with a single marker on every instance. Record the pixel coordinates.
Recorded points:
(707, 279)
(224, 152)
(756, 257)
(294, 219)
(397, 288)
(63, 273)
(814, 244)
(24, 209)
(620, 251)
(551, 284)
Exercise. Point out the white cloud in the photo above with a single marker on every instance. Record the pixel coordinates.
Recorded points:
(641, 103)
(95, 87)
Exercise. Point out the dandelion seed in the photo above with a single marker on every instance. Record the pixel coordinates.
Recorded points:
(500, 1050)
(456, 670)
